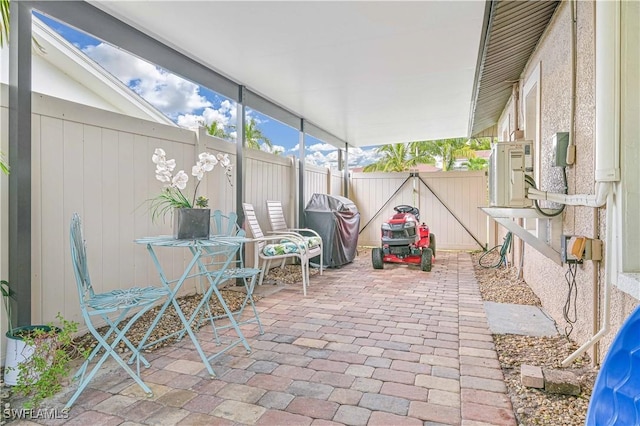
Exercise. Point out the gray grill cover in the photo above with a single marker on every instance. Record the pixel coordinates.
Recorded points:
(337, 220)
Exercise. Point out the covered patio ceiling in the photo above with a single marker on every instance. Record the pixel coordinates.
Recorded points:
(357, 72)
(367, 72)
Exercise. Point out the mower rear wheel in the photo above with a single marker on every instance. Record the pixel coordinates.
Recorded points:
(376, 258)
(432, 243)
(425, 261)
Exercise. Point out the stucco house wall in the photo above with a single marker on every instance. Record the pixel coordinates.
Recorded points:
(550, 67)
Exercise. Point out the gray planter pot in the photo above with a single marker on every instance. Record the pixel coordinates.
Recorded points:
(191, 224)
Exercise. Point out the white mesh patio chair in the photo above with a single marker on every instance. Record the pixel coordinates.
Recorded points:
(268, 248)
(119, 309)
(279, 226)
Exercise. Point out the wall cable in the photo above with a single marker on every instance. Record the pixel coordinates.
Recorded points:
(570, 309)
(529, 180)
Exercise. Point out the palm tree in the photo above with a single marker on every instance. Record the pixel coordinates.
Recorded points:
(480, 144)
(395, 158)
(476, 164)
(5, 16)
(4, 165)
(216, 129)
(4, 22)
(447, 149)
(253, 135)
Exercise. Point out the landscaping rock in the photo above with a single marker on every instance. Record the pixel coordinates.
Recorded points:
(532, 376)
(561, 382)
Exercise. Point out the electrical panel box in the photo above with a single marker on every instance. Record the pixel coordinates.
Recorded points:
(576, 249)
(560, 145)
(509, 163)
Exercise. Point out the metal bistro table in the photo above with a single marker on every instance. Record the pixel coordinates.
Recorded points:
(222, 248)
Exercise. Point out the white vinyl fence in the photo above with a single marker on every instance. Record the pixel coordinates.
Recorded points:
(448, 204)
(98, 164)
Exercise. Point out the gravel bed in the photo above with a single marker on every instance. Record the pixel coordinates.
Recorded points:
(533, 406)
(170, 322)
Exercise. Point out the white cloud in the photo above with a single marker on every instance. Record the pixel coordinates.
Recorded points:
(229, 108)
(225, 115)
(321, 147)
(317, 159)
(359, 157)
(169, 93)
(274, 148)
(208, 116)
(219, 116)
(332, 156)
(189, 121)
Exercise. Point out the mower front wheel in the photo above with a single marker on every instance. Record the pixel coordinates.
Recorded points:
(376, 258)
(425, 261)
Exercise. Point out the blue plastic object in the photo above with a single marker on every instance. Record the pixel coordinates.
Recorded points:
(615, 399)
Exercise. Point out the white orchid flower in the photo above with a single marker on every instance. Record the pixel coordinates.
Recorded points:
(172, 196)
(180, 180)
(170, 164)
(163, 176)
(198, 171)
(159, 156)
(207, 161)
(225, 161)
(162, 163)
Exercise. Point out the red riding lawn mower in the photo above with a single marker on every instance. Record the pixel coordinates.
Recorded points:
(404, 240)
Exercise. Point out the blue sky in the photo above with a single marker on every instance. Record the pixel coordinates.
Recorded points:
(187, 103)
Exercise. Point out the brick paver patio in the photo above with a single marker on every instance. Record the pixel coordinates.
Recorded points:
(380, 347)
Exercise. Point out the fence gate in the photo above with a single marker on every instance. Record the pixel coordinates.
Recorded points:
(448, 201)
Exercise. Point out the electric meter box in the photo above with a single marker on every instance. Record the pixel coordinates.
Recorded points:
(509, 163)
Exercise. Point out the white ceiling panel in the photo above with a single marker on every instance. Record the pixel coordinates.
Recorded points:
(369, 73)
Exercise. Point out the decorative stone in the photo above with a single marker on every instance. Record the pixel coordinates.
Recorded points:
(531, 376)
(561, 382)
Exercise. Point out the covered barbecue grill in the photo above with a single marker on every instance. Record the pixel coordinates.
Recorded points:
(337, 220)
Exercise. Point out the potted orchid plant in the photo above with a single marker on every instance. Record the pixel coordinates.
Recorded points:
(190, 214)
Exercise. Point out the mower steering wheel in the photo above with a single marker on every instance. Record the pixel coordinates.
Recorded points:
(404, 208)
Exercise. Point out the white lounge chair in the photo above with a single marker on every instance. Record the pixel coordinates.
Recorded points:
(276, 247)
(279, 226)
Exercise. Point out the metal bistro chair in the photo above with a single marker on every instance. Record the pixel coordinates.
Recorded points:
(236, 272)
(112, 307)
(279, 226)
(276, 247)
